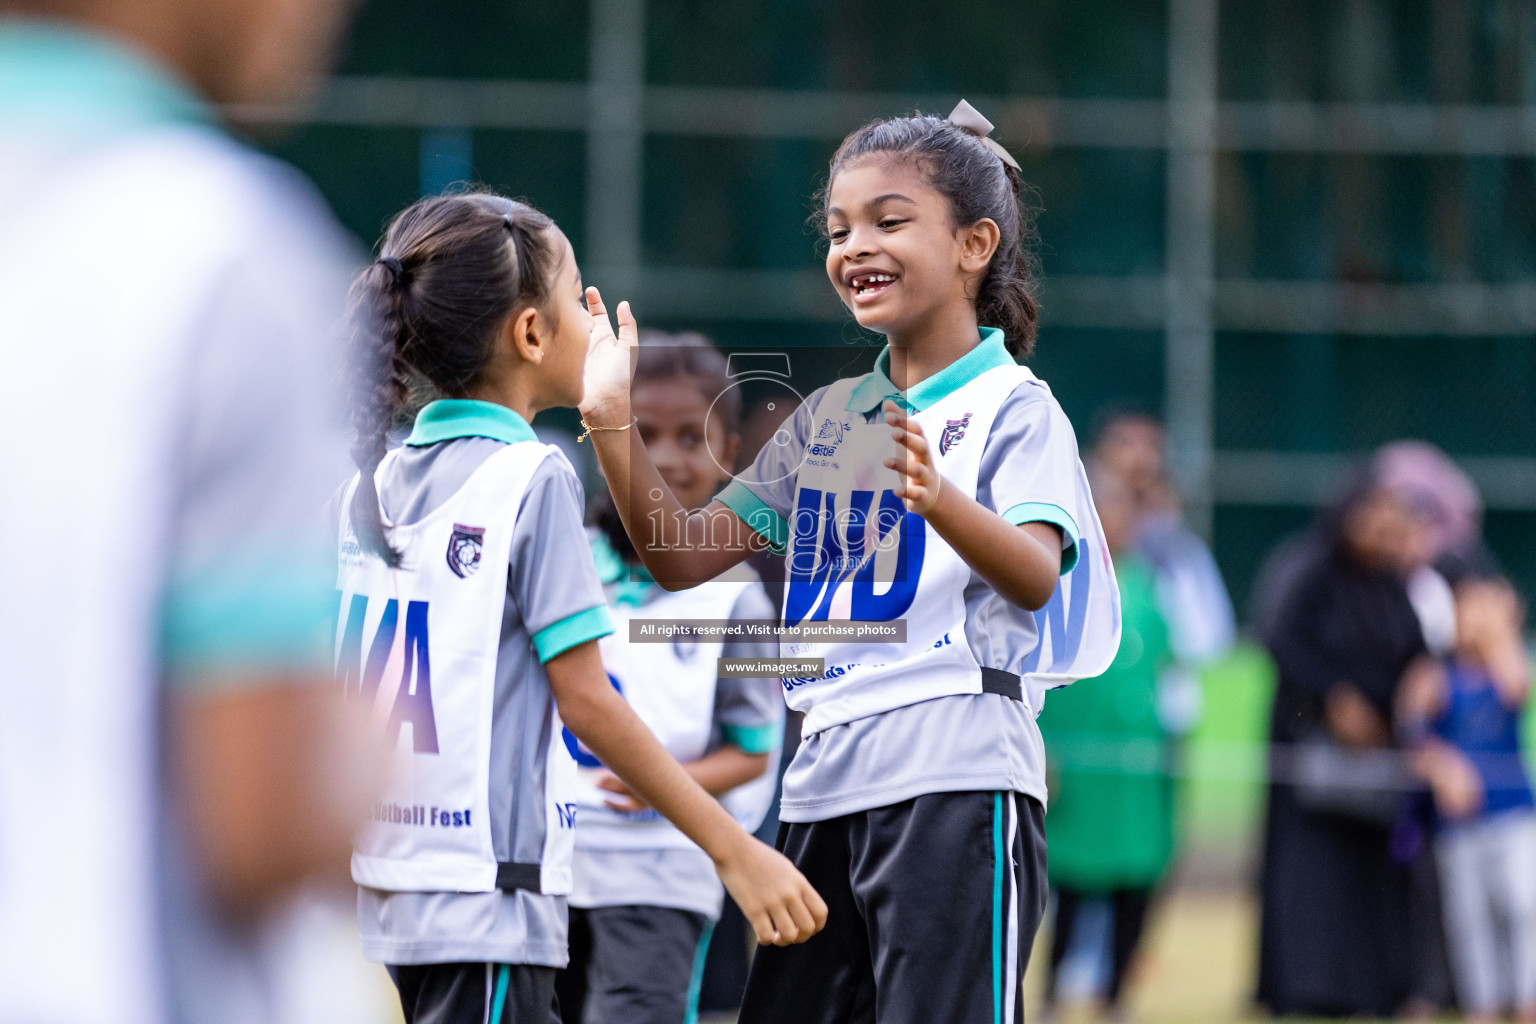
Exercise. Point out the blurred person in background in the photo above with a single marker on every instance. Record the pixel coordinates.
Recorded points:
(762, 422)
(1448, 511)
(1189, 589)
(1450, 540)
(1110, 825)
(646, 900)
(1457, 508)
(171, 764)
(1335, 934)
(729, 956)
(1460, 714)
(1453, 511)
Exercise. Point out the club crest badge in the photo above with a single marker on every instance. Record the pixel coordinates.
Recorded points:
(954, 430)
(464, 549)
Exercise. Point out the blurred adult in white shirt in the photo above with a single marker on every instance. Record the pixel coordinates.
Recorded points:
(1191, 596)
(172, 765)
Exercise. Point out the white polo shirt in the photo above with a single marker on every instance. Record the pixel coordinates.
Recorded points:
(1029, 472)
(168, 298)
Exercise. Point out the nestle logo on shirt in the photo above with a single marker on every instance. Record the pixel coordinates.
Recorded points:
(831, 431)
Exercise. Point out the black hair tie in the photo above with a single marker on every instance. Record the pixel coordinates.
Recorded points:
(396, 271)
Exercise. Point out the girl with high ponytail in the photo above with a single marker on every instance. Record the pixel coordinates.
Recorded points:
(451, 268)
(470, 615)
(943, 492)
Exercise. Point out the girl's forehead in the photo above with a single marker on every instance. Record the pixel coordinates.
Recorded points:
(676, 392)
(866, 180)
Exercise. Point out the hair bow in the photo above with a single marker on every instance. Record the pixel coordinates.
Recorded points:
(968, 118)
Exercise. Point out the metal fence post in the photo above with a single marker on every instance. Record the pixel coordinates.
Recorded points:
(1189, 346)
(615, 146)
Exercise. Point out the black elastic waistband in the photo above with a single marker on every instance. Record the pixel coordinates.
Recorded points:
(510, 876)
(1009, 684)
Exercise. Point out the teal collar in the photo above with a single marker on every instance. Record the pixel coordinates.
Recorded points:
(449, 418)
(990, 352)
(66, 76)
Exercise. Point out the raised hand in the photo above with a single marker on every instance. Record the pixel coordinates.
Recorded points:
(610, 364)
(920, 481)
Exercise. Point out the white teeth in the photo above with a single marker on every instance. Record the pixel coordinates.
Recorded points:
(865, 283)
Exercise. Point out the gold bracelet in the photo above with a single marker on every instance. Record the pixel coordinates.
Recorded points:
(590, 428)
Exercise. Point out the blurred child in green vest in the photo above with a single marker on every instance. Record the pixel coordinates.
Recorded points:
(1109, 826)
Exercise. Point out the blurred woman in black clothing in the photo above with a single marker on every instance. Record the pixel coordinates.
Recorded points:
(1335, 937)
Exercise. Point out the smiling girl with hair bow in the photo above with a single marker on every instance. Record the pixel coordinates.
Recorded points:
(943, 490)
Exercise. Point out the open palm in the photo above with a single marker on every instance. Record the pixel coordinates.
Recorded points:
(610, 363)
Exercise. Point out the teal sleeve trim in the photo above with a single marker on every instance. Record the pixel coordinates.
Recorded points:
(738, 497)
(753, 739)
(1040, 512)
(572, 630)
(234, 624)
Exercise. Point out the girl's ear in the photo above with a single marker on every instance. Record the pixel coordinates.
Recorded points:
(526, 333)
(978, 242)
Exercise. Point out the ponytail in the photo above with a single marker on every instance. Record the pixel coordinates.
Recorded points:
(378, 389)
(1006, 298)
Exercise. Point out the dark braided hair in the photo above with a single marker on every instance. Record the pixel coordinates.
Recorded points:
(425, 315)
(978, 184)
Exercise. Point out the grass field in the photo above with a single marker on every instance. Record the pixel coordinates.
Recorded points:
(1196, 965)
(1198, 957)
